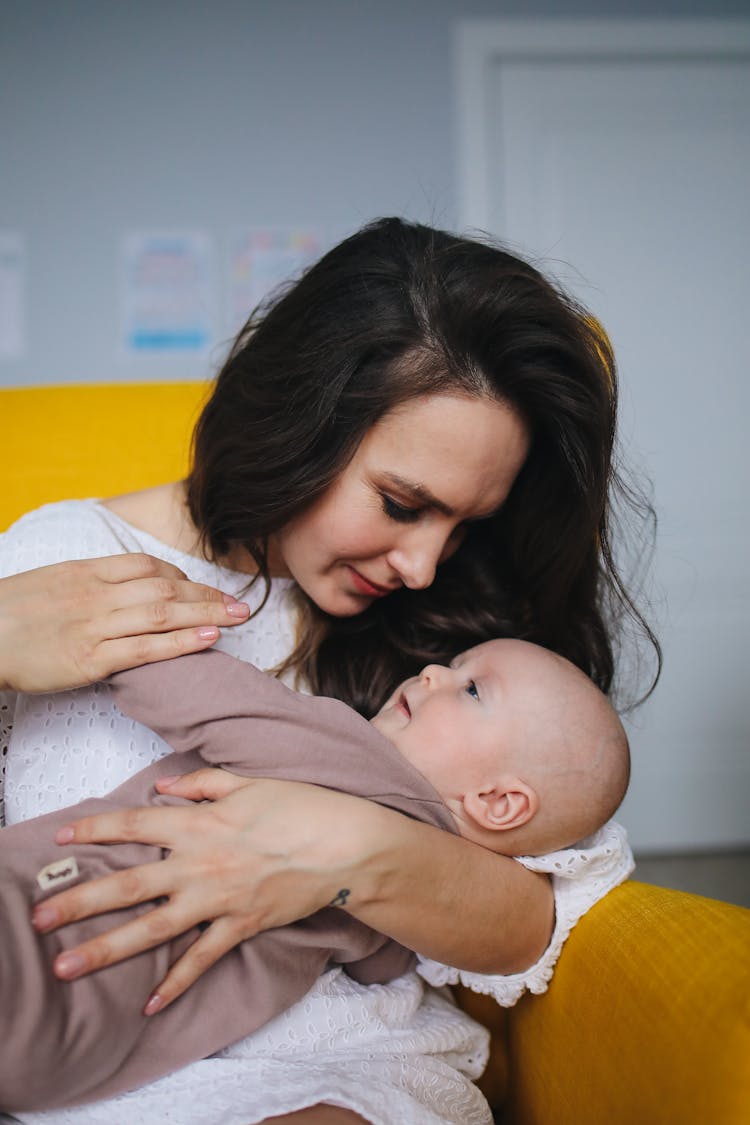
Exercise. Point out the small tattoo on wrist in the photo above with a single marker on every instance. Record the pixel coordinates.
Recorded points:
(341, 897)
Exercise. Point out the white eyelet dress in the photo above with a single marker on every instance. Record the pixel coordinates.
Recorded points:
(400, 1052)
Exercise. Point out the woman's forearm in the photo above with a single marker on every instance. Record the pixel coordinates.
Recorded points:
(255, 854)
(452, 900)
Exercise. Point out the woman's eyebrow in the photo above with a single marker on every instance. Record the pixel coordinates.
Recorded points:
(427, 499)
(419, 492)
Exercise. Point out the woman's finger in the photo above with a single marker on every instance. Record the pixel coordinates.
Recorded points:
(148, 648)
(126, 567)
(154, 927)
(209, 784)
(221, 936)
(162, 827)
(167, 614)
(144, 883)
(159, 588)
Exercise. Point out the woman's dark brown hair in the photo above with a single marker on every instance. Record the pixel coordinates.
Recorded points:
(396, 311)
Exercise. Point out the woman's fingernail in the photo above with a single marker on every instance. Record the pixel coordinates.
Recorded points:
(208, 633)
(69, 965)
(42, 917)
(153, 1004)
(238, 609)
(168, 780)
(65, 835)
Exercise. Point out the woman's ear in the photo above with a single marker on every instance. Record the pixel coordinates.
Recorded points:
(509, 803)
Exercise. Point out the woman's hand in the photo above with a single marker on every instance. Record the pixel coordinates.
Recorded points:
(73, 623)
(266, 853)
(262, 854)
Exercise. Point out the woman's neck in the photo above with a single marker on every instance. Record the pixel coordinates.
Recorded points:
(163, 513)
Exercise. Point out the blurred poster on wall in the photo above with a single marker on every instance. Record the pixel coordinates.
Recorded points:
(168, 293)
(260, 260)
(12, 295)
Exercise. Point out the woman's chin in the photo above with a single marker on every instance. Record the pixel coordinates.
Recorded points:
(336, 592)
(340, 601)
(346, 605)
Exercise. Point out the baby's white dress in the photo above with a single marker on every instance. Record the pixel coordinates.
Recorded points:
(400, 1052)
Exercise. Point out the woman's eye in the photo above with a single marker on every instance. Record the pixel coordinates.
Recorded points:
(396, 511)
(471, 689)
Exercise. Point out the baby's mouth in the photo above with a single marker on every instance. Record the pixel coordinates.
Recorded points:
(404, 706)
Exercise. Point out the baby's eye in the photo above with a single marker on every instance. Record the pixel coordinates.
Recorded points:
(471, 689)
(398, 512)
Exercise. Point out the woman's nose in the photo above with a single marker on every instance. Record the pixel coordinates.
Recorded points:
(415, 559)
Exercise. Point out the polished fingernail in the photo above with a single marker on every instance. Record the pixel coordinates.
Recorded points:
(42, 917)
(154, 1004)
(69, 965)
(65, 835)
(168, 780)
(238, 609)
(208, 633)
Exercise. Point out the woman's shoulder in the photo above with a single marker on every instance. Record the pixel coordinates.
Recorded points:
(68, 529)
(55, 515)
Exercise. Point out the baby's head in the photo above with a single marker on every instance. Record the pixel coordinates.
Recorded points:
(526, 752)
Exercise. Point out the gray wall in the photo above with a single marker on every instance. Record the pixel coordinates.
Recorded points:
(120, 117)
(212, 116)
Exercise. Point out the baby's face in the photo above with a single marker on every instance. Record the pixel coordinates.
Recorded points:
(450, 721)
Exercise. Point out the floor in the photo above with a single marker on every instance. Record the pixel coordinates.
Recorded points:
(722, 875)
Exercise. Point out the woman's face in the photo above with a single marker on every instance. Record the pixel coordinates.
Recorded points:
(401, 505)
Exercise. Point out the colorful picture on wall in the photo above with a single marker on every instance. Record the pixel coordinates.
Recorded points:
(260, 260)
(168, 293)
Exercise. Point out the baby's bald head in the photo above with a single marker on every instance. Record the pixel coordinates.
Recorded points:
(567, 742)
(524, 749)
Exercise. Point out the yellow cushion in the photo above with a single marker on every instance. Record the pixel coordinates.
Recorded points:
(92, 440)
(646, 1021)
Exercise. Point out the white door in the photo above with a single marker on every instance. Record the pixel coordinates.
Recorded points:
(618, 155)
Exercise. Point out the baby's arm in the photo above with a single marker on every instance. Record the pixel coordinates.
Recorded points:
(238, 717)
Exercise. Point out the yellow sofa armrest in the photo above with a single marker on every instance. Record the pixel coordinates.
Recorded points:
(647, 1018)
(68, 442)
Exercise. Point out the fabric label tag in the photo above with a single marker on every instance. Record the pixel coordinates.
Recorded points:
(57, 873)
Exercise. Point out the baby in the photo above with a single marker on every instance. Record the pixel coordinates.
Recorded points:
(525, 752)
(511, 746)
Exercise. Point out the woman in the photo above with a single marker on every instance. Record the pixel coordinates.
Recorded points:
(406, 454)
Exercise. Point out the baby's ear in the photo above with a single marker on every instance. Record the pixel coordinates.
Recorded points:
(509, 803)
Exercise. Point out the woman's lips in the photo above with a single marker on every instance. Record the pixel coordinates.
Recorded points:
(365, 586)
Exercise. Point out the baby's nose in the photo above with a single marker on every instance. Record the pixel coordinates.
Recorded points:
(433, 675)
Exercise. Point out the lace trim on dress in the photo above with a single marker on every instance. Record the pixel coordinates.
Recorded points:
(580, 877)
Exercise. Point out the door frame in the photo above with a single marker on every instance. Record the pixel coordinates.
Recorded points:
(481, 44)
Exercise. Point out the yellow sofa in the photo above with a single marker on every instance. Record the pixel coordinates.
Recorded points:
(647, 1019)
